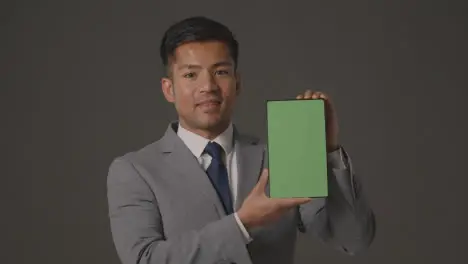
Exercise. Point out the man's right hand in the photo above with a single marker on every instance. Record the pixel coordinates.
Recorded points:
(258, 209)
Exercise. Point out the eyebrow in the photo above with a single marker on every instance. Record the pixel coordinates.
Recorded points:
(195, 66)
(223, 63)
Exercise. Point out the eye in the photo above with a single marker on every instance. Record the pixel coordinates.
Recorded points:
(222, 72)
(189, 75)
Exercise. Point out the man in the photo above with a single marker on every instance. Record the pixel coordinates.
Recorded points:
(199, 194)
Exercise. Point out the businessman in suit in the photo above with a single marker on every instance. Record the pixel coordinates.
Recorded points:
(199, 194)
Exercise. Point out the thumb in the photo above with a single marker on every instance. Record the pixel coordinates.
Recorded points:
(262, 182)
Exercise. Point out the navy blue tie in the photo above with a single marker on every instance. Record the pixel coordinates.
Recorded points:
(218, 175)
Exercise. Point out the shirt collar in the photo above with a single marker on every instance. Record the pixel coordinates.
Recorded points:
(197, 143)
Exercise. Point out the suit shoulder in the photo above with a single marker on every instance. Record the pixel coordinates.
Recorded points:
(140, 155)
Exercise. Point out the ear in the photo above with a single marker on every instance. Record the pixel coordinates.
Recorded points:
(238, 83)
(168, 89)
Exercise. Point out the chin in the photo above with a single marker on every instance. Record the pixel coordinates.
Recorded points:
(212, 122)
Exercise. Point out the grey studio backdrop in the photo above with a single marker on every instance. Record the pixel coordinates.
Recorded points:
(82, 87)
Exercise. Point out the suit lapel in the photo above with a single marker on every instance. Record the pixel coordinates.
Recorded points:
(250, 158)
(250, 163)
(186, 165)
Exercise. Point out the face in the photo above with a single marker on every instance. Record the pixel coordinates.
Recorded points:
(203, 86)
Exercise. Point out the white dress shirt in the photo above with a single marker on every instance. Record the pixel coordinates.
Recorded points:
(197, 144)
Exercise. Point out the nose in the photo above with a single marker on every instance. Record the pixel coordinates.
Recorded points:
(209, 83)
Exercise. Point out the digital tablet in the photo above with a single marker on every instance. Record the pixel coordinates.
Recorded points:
(297, 154)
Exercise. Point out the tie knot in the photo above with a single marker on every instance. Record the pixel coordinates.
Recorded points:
(214, 150)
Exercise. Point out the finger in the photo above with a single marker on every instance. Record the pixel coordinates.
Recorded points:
(327, 100)
(323, 96)
(298, 200)
(308, 94)
(291, 202)
(300, 96)
(316, 95)
(262, 182)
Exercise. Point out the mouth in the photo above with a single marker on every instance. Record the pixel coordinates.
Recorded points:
(209, 104)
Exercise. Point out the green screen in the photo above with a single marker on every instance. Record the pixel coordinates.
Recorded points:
(297, 148)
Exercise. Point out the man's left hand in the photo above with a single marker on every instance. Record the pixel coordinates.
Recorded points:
(330, 117)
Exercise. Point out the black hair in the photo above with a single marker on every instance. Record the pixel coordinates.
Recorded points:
(196, 29)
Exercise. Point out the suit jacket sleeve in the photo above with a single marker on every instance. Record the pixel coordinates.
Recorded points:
(137, 229)
(343, 219)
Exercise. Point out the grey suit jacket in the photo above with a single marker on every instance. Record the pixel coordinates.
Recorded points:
(163, 209)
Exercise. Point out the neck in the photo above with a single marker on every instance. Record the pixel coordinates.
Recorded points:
(209, 133)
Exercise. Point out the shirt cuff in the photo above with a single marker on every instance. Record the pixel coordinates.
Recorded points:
(247, 237)
(336, 159)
